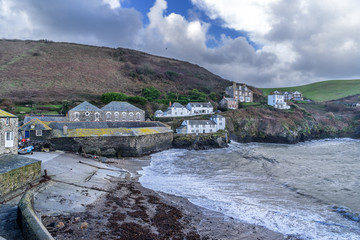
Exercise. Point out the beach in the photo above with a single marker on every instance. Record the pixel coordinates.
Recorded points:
(126, 210)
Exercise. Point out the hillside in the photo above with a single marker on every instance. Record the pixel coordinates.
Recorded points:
(45, 71)
(324, 91)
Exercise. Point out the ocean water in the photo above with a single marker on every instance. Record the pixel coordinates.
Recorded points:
(309, 190)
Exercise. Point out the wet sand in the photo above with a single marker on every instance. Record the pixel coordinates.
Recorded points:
(129, 211)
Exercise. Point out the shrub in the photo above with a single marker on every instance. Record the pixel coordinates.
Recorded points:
(150, 93)
(136, 100)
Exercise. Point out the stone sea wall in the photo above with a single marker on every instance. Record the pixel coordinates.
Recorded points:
(16, 172)
(115, 146)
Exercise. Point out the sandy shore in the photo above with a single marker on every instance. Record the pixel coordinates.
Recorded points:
(129, 211)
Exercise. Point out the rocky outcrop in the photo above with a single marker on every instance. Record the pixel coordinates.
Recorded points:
(201, 142)
(264, 124)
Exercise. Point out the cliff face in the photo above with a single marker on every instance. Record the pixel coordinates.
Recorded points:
(301, 123)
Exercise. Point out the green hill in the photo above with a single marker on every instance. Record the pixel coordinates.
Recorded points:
(323, 91)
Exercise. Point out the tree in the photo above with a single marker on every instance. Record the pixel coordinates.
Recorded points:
(213, 96)
(113, 96)
(150, 93)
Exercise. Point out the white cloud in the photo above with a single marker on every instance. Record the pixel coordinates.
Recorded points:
(112, 3)
(302, 40)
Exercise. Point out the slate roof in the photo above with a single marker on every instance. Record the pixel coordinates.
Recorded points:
(100, 125)
(201, 122)
(177, 105)
(39, 125)
(229, 99)
(6, 114)
(54, 118)
(199, 104)
(85, 106)
(217, 116)
(121, 106)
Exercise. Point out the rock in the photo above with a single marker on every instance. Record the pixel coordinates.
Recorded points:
(84, 225)
(60, 225)
(77, 219)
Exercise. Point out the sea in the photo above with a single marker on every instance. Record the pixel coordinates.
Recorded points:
(309, 190)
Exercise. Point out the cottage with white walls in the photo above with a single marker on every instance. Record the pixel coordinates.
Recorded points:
(197, 108)
(8, 133)
(215, 123)
(176, 110)
(277, 100)
(191, 109)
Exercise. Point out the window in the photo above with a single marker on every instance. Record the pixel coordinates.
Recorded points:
(138, 115)
(38, 133)
(7, 121)
(87, 114)
(9, 139)
(123, 116)
(9, 136)
(97, 116)
(76, 116)
(117, 116)
(131, 116)
(108, 116)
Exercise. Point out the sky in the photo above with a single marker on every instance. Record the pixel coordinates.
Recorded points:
(263, 43)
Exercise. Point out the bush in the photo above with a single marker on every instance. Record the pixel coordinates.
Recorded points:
(150, 93)
(113, 96)
(136, 100)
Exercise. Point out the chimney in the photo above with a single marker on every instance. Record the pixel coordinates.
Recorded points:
(234, 89)
(170, 104)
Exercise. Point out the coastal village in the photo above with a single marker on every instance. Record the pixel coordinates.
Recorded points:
(118, 129)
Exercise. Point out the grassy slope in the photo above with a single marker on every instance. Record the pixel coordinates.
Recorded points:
(52, 72)
(324, 91)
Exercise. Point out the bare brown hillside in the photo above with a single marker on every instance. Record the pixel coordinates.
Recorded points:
(45, 71)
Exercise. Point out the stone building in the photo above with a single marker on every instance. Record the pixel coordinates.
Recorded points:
(35, 129)
(85, 112)
(122, 111)
(240, 93)
(8, 133)
(229, 103)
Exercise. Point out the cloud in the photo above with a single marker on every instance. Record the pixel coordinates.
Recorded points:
(301, 41)
(84, 21)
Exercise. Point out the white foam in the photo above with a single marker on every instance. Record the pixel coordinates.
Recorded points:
(248, 198)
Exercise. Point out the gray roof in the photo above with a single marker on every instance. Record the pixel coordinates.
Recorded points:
(121, 106)
(201, 122)
(217, 116)
(44, 118)
(85, 106)
(228, 99)
(198, 104)
(176, 104)
(77, 125)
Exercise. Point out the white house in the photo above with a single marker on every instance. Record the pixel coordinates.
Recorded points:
(215, 123)
(176, 110)
(159, 113)
(197, 108)
(277, 100)
(219, 121)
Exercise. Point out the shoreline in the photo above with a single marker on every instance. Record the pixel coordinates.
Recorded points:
(131, 211)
